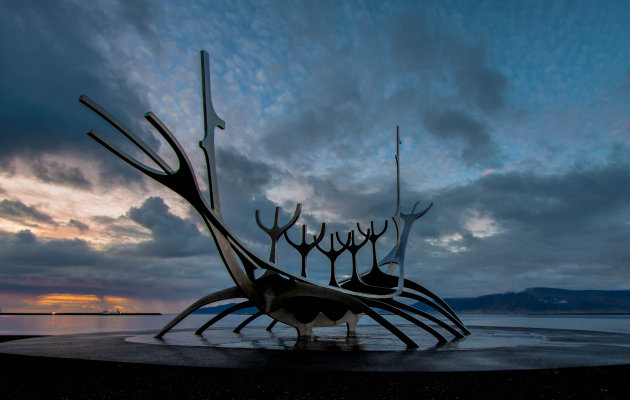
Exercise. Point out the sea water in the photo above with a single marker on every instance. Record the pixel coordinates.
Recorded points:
(73, 324)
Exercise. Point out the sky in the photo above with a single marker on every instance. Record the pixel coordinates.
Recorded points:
(513, 118)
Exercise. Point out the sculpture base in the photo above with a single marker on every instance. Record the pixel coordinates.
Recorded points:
(486, 349)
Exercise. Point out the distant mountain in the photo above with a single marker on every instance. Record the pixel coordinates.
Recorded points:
(544, 300)
(532, 300)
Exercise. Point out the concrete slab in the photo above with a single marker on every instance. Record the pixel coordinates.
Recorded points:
(487, 349)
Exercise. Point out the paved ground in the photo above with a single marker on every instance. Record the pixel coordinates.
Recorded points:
(485, 350)
(34, 378)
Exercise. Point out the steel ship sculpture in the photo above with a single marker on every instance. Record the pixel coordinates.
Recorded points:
(289, 298)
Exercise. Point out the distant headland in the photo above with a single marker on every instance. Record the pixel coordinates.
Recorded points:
(539, 301)
(548, 301)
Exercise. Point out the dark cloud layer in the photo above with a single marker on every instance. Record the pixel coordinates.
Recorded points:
(242, 176)
(171, 235)
(78, 224)
(625, 82)
(23, 252)
(51, 59)
(54, 172)
(30, 266)
(342, 85)
(566, 230)
(479, 83)
(347, 94)
(457, 126)
(17, 211)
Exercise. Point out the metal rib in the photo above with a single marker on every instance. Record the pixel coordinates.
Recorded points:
(225, 294)
(379, 304)
(91, 104)
(222, 315)
(247, 321)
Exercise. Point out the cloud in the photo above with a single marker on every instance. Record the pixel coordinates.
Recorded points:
(476, 81)
(519, 229)
(17, 211)
(121, 229)
(624, 87)
(312, 94)
(55, 54)
(414, 44)
(31, 266)
(141, 16)
(441, 54)
(55, 172)
(242, 175)
(344, 86)
(78, 224)
(24, 250)
(25, 237)
(508, 231)
(454, 125)
(171, 236)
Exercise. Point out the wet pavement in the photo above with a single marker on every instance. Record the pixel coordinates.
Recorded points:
(486, 349)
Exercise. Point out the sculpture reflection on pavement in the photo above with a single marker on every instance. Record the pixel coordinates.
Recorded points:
(292, 299)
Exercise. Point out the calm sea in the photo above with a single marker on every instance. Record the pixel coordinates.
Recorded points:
(69, 324)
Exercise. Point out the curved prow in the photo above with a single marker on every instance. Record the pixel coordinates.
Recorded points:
(397, 253)
(181, 180)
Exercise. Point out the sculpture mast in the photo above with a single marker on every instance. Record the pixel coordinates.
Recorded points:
(401, 266)
(397, 214)
(396, 257)
(210, 121)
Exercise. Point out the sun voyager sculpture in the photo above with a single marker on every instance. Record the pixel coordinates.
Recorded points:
(286, 297)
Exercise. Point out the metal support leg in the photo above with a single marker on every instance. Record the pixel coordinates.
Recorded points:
(225, 294)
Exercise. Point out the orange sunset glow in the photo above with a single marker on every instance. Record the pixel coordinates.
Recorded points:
(69, 302)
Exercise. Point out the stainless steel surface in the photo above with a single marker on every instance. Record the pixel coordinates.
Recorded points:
(294, 300)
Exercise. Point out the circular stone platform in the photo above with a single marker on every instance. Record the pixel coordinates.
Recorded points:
(487, 349)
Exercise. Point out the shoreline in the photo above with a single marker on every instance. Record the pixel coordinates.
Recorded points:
(72, 313)
(579, 313)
